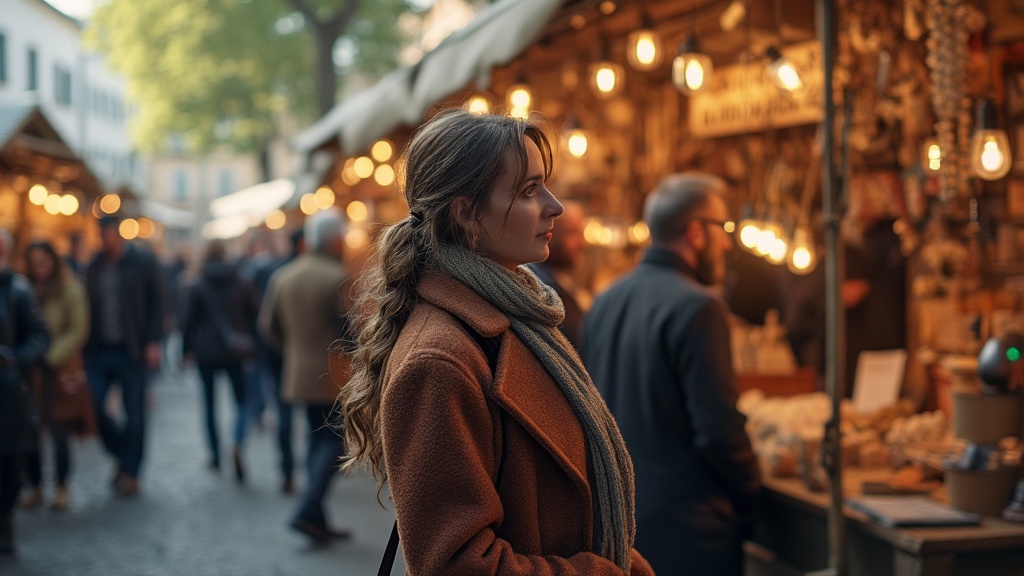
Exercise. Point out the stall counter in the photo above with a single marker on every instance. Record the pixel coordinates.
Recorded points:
(791, 537)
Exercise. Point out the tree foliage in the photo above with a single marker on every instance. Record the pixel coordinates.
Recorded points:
(229, 71)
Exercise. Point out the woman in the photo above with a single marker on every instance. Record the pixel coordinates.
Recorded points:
(500, 463)
(220, 310)
(65, 309)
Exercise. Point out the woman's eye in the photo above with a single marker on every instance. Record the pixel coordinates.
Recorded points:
(530, 190)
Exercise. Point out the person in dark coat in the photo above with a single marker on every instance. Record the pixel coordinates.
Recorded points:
(657, 346)
(219, 301)
(23, 341)
(126, 324)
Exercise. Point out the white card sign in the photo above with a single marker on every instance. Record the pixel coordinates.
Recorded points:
(878, 380)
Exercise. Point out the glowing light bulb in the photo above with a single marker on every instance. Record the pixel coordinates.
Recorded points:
(645, 49)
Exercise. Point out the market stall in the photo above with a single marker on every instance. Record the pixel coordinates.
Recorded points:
(46, 191)
(865, 143)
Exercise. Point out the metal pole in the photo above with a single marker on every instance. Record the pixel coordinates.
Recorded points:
(834, 317)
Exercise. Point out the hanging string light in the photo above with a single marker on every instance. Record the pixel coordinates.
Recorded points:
(931, 156)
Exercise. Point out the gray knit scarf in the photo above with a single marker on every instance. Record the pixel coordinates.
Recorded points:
(535, 310)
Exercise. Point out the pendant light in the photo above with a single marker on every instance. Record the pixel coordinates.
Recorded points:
(803, 256)
(644, 51)
(605, 77)
(574, 138)
(519, 99)
(783, 71)
(691, 70)
(990, 148)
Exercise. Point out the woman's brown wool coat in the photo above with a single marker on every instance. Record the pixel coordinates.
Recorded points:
(449, 428)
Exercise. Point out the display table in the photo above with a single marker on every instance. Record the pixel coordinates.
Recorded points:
(791, 537)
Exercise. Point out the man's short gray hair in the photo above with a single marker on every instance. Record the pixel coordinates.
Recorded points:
(322, 227)
(675, 200)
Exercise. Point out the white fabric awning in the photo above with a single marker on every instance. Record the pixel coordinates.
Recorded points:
(167, 215)
(496, 36)
(237, 212)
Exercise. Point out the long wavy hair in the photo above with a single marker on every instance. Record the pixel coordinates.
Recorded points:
(45, 288)
(454, 155)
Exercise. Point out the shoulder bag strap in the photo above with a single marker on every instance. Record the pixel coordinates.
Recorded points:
(490, 347)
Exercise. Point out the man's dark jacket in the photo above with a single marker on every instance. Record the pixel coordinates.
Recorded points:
(24, 340)
(657, 346)
(141, 298)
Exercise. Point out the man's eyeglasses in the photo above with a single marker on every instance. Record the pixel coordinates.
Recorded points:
(728, 225)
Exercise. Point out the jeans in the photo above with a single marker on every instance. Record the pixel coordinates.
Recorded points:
(325, 448)
(61, 455)
(125, 442)
(235, 374)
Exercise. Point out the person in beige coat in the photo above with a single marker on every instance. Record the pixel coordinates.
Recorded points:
(464, 395)
(301, 315)
(65, 308)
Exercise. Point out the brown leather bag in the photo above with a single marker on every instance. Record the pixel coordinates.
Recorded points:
(72, 400)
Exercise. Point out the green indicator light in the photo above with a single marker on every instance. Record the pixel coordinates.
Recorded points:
(1013, 353)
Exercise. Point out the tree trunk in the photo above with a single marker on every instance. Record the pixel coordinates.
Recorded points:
(325, 34)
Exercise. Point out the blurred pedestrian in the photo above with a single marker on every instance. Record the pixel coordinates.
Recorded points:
(302, 313)
(657, 345)
(218, 332)
(270, 368)
(465, 397)
(558, 271)
(62, 299)
(126, 320)
(23, 341)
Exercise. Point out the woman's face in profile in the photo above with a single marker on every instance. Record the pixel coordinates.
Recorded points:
(522, 236)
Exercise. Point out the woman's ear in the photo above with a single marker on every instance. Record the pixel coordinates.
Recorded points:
(462, 212)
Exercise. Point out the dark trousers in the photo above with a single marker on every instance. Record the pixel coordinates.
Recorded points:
(124, 441)
(236, 375)
(325, 448)
(268, 369)
(61, 455)
(10, 483)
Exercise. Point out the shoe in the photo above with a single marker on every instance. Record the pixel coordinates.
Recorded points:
(287, 487)
(60, 499)
(7, 536)
(32, 499)
(127, 486)
(320, 535)
(239, 465)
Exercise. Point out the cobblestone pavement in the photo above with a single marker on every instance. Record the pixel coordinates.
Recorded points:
(189, 520)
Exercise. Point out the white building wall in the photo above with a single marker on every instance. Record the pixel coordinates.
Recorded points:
(92, 117)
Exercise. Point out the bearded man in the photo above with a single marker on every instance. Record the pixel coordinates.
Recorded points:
(657, 347)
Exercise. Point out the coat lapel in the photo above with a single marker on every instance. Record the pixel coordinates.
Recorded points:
(521, 387)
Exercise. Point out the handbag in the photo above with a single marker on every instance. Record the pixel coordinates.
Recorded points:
(237, 344)
(71, 399)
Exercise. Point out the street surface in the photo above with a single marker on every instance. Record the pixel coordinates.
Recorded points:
(189, 520)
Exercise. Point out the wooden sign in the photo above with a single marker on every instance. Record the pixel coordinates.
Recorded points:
(743, 98)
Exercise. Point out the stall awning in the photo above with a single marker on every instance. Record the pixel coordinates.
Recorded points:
(237, 212)
(496, 36)
(29, 144)
(167, 215)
